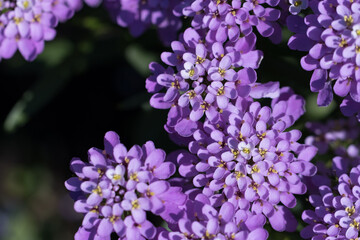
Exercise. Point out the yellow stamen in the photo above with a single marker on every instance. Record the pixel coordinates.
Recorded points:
(350, 211)
(199, 60)
(116, 177)
(191, 94)
(239, 175)
(262, 152)
(246, 150)
(135, 204)
(134, 177)
(222, 72)
(297, 3)
(255, 169)
(18, 20)
(149, 193)
(349, 20)
(97, 190)
(220, 91)
(191, 72)
(26, 4)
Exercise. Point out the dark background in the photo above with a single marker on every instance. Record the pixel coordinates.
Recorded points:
(90, 80)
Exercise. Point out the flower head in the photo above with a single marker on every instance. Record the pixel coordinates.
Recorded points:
(116, 189)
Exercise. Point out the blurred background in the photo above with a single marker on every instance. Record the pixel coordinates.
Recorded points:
(89, 80)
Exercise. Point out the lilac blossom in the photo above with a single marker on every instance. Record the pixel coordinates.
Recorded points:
(117, 187)
(330, 36)
(26, 24)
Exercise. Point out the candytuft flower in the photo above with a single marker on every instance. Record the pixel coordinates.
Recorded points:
(116, 189)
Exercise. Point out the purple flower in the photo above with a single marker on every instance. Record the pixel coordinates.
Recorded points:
(138, 15)
(27, 24)
(203, 80)
(117, 187)
(248, 159)
(227, 21)
(203, 221)
(330, 36)
(336, 212)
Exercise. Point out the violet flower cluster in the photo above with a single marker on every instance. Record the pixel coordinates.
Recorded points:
(26, 24)
(139, 15)
(336, 209)
(231, 19)
(330, 36)
(249, 160)
(202, 221)
(204, 78)
(118, 188)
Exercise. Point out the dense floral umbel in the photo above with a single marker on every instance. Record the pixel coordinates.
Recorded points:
(139, 15)
(116, 189)
(231, 19)
(26, 24)
(331, 38)
(205, 78)
(203, 221)
(336, 213)
(249, 160)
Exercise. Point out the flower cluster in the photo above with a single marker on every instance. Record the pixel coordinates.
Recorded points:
(205, 78)
(331, 38)
(231, 19)
(26, 24)
(249, 160)
(118, 189)
(139, 15)
(203, 221)
(336, 213)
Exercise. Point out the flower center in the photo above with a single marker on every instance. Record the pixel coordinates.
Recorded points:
(199, 60)
(26, 4)
(297, 3)
(116, 177)
(97, 190)
(355, 224)
(239, 174)
(192, 94)
(149, 193)
(18, 20)
(134, 177)
(222, 72)
(191, 72)
(255, 169)
(350, 211)
(113, 219)
(246, 150)
(205, 106)
(343, 43)
(262, 152)
(135, 204)
(221, 91)
(272, 170)
(235, 153)
(348, 20)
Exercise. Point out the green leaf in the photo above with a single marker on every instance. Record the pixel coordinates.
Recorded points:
(314, 112)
